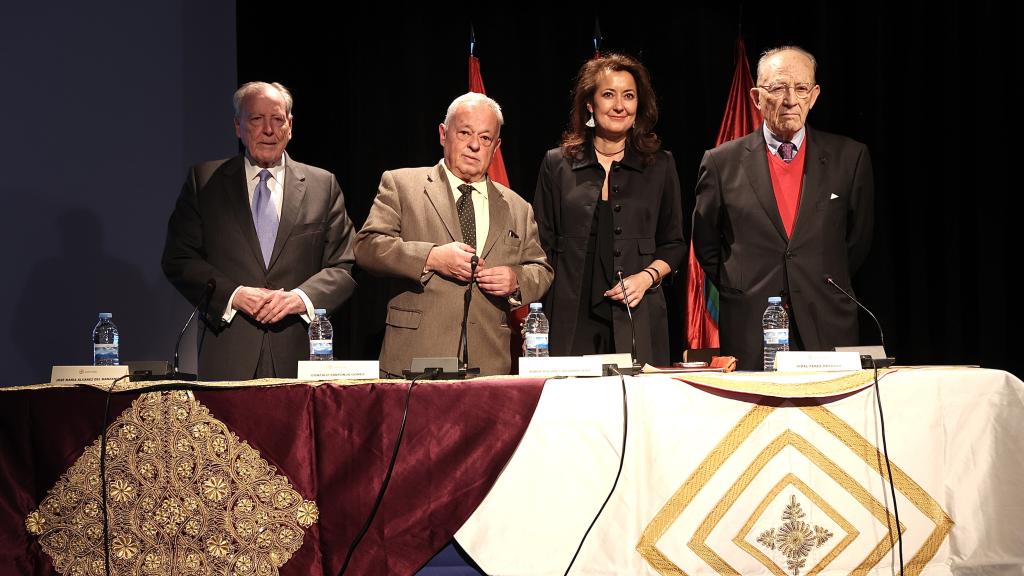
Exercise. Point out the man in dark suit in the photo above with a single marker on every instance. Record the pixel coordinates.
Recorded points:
(269, 240)
(424, 230)
(777, 211)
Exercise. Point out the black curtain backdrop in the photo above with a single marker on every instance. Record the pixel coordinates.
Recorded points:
(925, 85)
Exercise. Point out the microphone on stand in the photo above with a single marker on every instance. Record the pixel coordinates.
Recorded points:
(636, 367)
(871, 361)
(464, 363)
(145, 371)
(211, 285)
(450, 367)
(868, 361)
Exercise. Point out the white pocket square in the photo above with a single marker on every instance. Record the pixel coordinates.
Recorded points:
(833, 197)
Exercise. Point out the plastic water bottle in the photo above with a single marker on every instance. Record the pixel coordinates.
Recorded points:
(775, 324)
(535, 330)
(105, 342)
(321, 337)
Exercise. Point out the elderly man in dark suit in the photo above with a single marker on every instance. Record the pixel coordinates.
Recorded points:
(424, 230)
(266, 238)
(779, 210)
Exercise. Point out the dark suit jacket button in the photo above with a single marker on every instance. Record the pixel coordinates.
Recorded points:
(789, 255)
(618, 229)
(617, 252)
(618, 207)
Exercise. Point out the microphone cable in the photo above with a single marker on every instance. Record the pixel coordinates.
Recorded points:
(881, 415)
(622, 459)
(429, 373)
(629, 311)
(103, 475)
(888, 468)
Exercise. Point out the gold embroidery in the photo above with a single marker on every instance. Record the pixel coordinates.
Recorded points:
(904, 483)
(125, 386)
(789, 438)
(847, 382)
(185, 496)
(678, 502)
(795, 538)
(647, 546)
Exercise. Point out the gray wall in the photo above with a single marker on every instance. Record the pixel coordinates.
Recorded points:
(105, 105)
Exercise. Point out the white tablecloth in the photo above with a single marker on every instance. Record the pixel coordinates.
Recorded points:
(720, 482)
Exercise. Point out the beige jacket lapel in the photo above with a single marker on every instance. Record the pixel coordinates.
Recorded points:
(439, 195)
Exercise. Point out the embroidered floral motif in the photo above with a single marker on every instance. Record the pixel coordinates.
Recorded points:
(794, 538)
(215, 488)
(124, 547)
(35, 523)
(184, 495)
(307, 514)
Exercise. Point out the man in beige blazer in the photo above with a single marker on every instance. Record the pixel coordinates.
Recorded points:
(414, 235)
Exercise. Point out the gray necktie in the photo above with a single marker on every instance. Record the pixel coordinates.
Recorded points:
(265, 217)
(787, 151)
(467, 216)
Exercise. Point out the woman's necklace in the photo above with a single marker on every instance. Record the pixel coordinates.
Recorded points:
(619, 151)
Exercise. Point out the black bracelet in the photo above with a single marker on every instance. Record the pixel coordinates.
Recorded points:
(657, 282)
(653, 279)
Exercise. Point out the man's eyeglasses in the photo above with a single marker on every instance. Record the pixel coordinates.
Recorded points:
(486, 140)
(802, 91)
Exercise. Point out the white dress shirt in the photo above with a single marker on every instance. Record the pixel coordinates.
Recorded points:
(276, 185)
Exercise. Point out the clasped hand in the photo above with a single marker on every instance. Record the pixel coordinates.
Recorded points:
(267, 306)
(455, 261)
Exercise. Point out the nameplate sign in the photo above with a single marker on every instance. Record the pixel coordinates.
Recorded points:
(624, 360)
(90, 375)
(339, 370)
(549, 367)
(816, 361)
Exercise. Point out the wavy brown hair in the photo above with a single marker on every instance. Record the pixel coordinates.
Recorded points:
(641, 136)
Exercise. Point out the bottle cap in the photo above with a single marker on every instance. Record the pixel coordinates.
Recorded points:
(536, 306)
(106, 315)
(320, 311)
(775, 300)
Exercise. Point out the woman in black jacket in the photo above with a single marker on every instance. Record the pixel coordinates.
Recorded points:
(608, 203)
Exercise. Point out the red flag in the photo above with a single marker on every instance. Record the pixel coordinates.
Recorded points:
(476, 84)
(497, 173)
(740, 118)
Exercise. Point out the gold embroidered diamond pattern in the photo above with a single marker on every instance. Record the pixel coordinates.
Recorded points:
(184, 496)
(795, 536)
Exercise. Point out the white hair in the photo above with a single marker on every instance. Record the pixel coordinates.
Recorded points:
(772, 52)
(473, 98)
(250, 88)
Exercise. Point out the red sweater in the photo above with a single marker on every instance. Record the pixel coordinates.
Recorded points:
(787, 180)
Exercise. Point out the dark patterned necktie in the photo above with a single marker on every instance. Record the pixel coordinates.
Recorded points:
(787, 151)
(467, 216)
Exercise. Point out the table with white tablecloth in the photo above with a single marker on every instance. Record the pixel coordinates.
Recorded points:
(749, 473)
